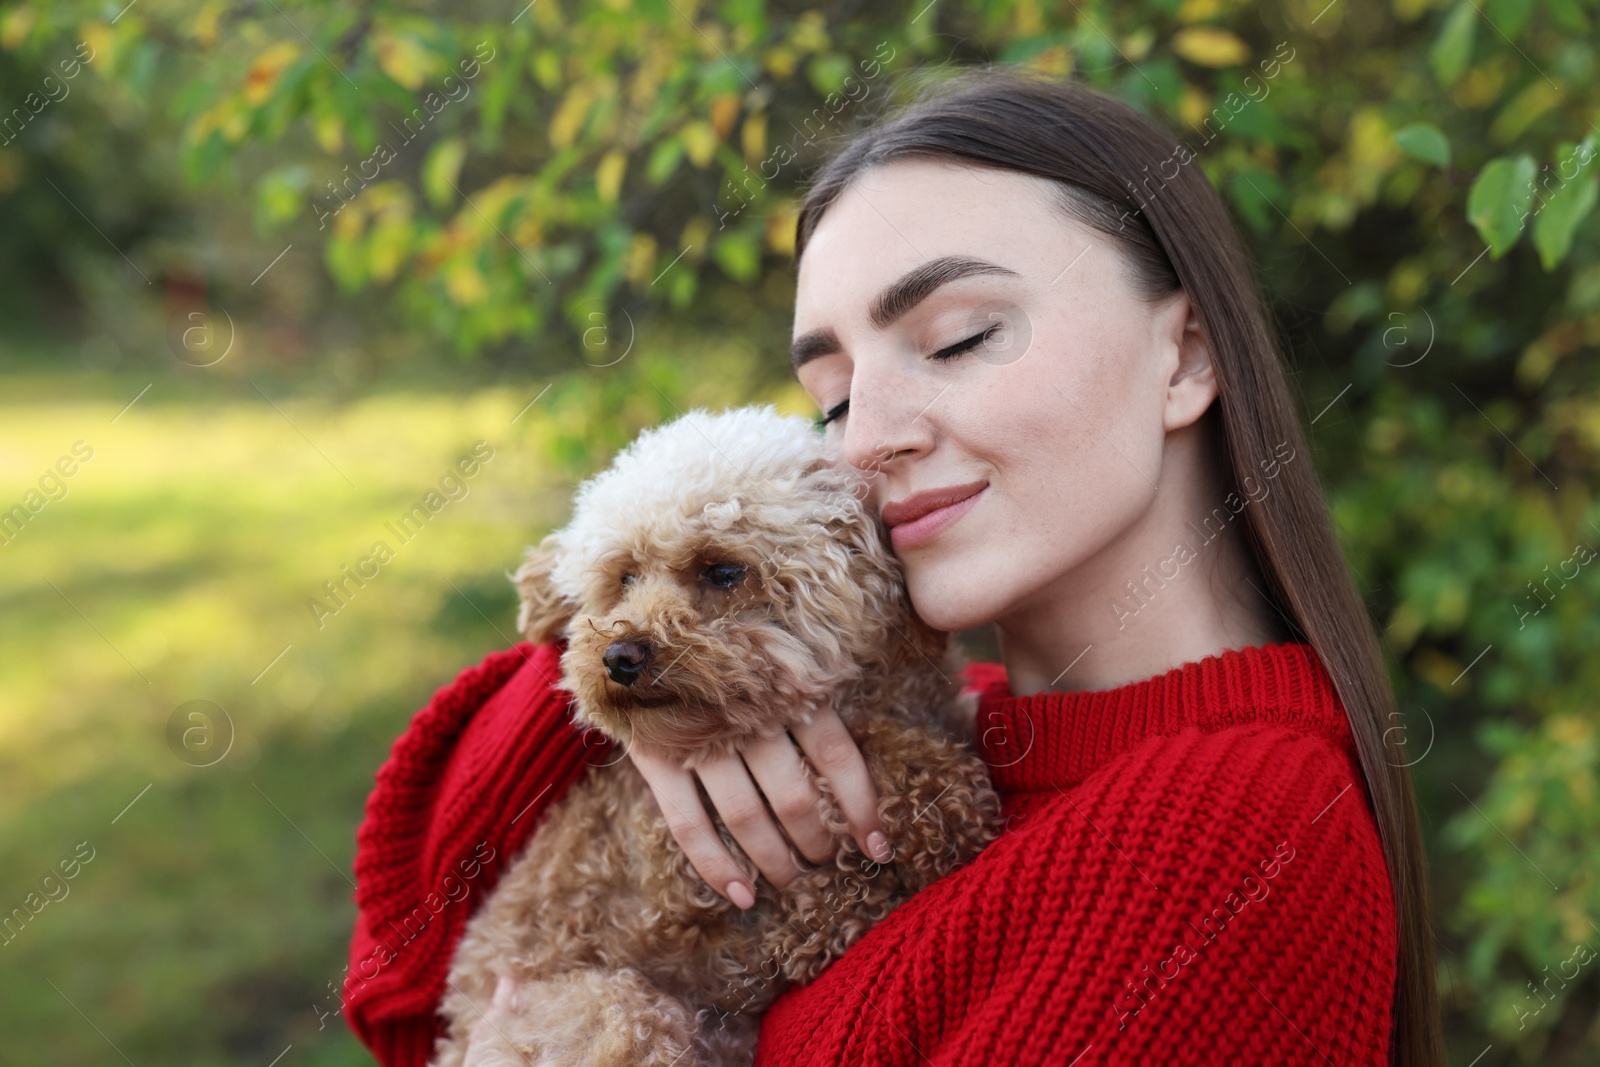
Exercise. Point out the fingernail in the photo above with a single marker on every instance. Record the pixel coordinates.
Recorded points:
(740, 894)
(878, 845)
(502, 991)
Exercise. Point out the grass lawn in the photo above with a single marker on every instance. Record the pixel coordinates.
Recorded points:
(209, 923)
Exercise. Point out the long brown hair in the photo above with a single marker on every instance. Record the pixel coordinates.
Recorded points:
(1111, 167)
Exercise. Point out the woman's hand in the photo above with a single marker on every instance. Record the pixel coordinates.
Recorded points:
(771, 767)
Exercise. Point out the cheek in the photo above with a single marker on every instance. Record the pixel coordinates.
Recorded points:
(1065, 436)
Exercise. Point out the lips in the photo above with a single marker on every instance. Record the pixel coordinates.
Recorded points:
(915, 506)
(920, 518)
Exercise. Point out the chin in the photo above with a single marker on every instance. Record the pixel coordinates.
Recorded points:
(951, 597)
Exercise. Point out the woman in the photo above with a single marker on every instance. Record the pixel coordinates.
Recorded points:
(1022, 309)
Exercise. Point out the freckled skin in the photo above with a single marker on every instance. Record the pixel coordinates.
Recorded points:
(1090, 439)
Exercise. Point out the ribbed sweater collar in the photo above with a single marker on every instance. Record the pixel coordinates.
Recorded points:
(1053, 740)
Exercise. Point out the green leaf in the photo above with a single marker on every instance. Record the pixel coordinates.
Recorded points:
(739, 255)
(1556, 222)
(441, 170)
(1424, 141)
(664, 159)
(1253, 192)
(1509, 16)
(498, 87)
(1452, 49)
(280, 195)
(1568, 15)
(1499, 201)
(827, 73)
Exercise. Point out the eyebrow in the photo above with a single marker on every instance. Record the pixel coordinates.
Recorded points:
(898, 298)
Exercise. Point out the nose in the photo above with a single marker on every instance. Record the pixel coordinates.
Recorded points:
(625, 660)
(889, 416)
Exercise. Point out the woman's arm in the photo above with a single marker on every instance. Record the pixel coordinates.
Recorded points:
(462, 791)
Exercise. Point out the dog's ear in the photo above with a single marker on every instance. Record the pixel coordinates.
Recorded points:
(544, 613)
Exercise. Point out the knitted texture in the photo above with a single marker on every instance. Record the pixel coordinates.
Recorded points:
(1189, 875)
(462, 790)
(1189, 871)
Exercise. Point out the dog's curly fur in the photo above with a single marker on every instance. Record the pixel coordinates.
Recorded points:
(621, 954)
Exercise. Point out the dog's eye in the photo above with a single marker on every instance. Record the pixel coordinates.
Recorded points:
(629, 579)
(723, 575)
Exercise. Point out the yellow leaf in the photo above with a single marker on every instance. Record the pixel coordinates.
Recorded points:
(753, 138)
(237, 123)
(699, 141)
(102, 43)
(1137, 44)
(263, 75)
(1027, 22)
(1439, 670)
(654, 66)
(1055, 61)
(1209, 46)
(809, 33)
(17, 23)
(387, 250)
(780, 229)
(527, 232)
(205, 23)
(781, 61)
(1199, 10)
(1408, 282)
(1540, 96)
(641, 257)
(1481, 86)
(350, 220)
(465, 282)
(1373, 152)
(608, 175)
(569, 116)
(329, 132)
(1193, 106)
(724, 109)
(402, 58)
(694, 236)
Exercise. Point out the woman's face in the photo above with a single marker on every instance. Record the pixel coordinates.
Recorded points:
(1051, 424)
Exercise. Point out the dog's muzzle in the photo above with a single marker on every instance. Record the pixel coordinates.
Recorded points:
(625, 661)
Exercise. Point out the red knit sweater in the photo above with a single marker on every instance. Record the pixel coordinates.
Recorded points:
(1189, 875)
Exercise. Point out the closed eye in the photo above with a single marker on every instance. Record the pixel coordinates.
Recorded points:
(943, 354)
(833, 413)
(966, 346)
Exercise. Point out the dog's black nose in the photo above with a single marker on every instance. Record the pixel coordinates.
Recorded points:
(625, 660)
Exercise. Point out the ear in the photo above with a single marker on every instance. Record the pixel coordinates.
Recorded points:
(544, 613)
(1193, 383)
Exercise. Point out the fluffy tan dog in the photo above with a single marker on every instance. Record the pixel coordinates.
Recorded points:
(721, 580)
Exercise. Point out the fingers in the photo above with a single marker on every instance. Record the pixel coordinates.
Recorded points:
(745, 814)
(775, 764)
(690, 826)
(834, 754)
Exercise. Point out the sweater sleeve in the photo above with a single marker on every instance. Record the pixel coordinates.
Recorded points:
(461, 792)
(1205, 898)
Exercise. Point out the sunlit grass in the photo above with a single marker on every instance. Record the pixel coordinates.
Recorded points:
(177, 567)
